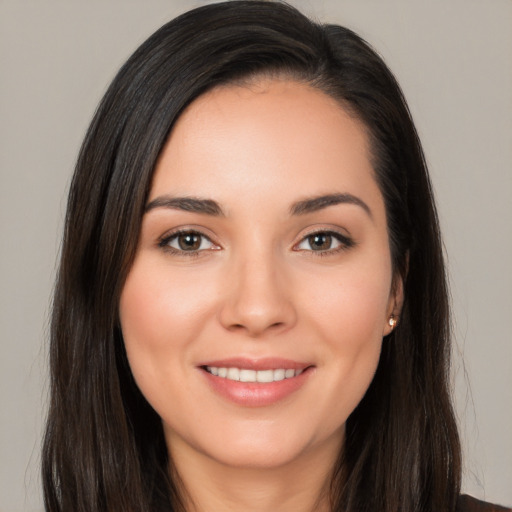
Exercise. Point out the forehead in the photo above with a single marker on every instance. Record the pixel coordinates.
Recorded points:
(276, 138)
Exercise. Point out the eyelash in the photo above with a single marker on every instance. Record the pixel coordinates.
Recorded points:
(167, 239)
(344, 241)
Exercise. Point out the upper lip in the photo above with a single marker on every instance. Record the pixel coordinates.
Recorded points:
(267, 363)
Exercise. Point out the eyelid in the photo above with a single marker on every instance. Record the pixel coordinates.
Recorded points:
(165, 239)
(345, 241)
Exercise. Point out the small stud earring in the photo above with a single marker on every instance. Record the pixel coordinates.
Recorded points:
(392, 321)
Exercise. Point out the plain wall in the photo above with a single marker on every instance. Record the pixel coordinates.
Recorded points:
(454, 62)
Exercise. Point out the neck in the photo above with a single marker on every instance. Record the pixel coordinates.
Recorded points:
(301, 485)
(298, 486)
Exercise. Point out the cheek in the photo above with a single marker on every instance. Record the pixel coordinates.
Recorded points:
(160, 316)
(157, 311)
(351, 307)
(349, 316)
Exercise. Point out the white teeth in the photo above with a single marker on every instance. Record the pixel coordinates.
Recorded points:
(279, 374)
(247, 376)
(265, 375)
(233, 374)
(244, 375)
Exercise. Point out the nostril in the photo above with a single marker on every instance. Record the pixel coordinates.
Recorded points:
(256, 312)
(256, 330)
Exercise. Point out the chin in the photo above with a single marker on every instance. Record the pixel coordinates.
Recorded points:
(255, 456)
(264, 446)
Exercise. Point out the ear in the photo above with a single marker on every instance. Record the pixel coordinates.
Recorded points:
(395, 303)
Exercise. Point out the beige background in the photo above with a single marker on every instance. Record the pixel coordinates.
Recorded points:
(454, 61)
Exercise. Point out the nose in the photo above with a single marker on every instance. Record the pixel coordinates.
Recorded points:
(257, 297)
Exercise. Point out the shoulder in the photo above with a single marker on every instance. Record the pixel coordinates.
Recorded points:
(469, 504)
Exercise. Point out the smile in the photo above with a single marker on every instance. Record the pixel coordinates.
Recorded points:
(258, 382)
(246, 375)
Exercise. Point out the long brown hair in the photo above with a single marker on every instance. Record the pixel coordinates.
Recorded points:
(104, 448)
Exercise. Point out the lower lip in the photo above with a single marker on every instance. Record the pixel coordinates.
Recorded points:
(253, 394)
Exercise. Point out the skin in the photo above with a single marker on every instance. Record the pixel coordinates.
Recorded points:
(257, 288)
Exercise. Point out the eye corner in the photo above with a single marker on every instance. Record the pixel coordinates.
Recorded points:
(197, 244)
(335, 240)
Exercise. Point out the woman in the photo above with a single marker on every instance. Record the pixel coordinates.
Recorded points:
(251, 311)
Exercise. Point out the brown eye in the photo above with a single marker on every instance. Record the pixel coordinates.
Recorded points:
(328, 242)
(189, 241)
(320, 241)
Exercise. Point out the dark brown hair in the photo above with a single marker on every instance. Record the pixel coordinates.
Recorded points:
(104, 448)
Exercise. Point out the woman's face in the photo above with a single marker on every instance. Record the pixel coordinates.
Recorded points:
(263, 256)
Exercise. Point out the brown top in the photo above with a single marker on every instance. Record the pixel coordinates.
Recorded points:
(469, 504)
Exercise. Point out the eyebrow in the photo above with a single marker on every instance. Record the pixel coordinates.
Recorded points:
(313, 204)
(211, 207)
(186, 204)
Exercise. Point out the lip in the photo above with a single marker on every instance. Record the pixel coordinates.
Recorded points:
(266, 363)
(252, 394)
